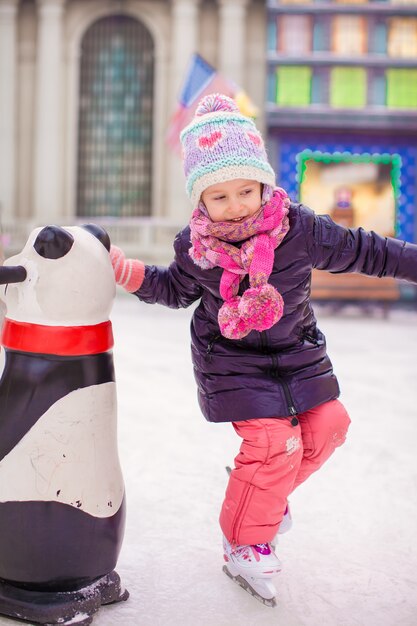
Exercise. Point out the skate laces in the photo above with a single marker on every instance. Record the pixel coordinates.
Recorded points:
(248, 552)
(263, 548)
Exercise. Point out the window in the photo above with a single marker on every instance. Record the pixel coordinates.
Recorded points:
(402, 37)
(402, 88)
(349, 35)
(294, 35)
(293, 85)
(115, 119)
(348, 87)
(354, 189)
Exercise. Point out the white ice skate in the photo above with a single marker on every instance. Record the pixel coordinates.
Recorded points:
(252, 567)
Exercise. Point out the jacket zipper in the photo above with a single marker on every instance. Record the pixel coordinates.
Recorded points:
(287, 391)
(263, 340)
(210, 346)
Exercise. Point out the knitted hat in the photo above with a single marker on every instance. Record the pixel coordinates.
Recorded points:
(221, 144)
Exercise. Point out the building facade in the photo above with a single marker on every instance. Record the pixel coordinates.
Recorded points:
(342, 109)
(87, 91)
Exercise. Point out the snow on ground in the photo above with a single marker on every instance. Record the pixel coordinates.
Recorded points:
(351, 557)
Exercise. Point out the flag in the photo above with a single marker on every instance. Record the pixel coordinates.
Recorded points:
(201, 80)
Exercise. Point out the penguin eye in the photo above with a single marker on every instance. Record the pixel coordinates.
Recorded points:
(99, 233)
(53, 242)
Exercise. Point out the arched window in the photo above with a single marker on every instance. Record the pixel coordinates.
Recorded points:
(115, 119)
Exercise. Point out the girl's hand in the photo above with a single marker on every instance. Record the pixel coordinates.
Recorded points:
(129, 273)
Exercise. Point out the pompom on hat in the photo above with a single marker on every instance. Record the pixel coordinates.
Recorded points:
(221, 144)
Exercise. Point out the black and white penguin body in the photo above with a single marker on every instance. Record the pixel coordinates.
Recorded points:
(62, 503)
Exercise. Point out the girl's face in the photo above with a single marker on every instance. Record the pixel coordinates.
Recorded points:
(232, 201)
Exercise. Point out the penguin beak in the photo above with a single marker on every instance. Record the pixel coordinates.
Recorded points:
(12, 274)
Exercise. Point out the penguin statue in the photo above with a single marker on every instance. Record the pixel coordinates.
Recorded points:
(62, 498)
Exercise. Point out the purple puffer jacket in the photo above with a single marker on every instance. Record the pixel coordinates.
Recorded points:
(285, 370)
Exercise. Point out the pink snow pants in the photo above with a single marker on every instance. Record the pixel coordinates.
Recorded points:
(274, 458)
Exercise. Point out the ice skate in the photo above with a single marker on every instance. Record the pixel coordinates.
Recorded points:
(252, 567)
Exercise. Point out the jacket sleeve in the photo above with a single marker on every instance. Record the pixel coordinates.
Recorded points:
(171, 286)
(345, 250)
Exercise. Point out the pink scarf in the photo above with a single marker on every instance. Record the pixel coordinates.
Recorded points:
(260, 306)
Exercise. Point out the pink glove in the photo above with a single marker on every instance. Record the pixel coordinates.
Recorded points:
(129, 273)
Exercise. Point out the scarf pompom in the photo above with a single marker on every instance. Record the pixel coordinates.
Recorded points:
(259, 308)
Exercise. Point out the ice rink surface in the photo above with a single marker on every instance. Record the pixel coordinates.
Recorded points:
(351, 557)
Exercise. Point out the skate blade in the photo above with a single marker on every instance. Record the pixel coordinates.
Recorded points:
(247, 587)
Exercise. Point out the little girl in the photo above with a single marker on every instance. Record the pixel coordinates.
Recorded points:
(260, 362)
